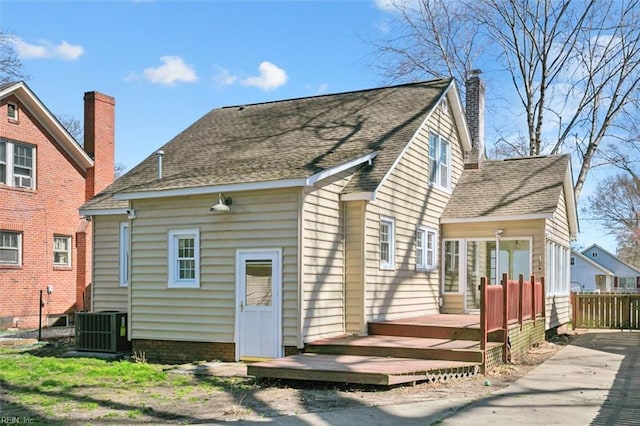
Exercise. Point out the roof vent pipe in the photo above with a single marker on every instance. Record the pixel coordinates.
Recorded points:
(159, 154)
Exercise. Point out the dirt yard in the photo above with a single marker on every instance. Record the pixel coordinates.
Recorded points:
(199, 399)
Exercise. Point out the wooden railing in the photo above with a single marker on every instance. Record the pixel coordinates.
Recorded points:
(509, 303)
(606, 310)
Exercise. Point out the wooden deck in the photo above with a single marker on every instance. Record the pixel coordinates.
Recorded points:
(371, 370)
(435, 347)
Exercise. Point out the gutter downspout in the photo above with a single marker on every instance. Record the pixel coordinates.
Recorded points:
(301, 221)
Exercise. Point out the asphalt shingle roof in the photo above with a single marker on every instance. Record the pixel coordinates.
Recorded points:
(510, 187)
(288, 139)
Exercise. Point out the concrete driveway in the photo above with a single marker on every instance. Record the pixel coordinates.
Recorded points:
(595, 380)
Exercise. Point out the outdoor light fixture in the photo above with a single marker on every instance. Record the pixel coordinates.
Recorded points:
(498, 232)
(223, 204)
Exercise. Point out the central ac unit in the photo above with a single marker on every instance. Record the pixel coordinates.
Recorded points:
(102, 331)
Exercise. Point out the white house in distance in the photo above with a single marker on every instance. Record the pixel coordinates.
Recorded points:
(587, 275)
(597, 269)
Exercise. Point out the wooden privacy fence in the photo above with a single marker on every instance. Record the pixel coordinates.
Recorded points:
(606, 310)
(509, 303)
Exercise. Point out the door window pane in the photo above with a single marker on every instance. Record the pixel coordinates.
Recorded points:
(258, 282)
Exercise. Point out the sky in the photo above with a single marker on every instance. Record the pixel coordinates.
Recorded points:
(167, 63)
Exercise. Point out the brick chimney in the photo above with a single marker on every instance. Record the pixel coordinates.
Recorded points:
(99, 140)
(475, 119)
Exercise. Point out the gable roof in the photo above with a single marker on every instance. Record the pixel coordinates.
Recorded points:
(613, 256)
(518, 188)
(595, 265)
(293, 142)
(51, 124)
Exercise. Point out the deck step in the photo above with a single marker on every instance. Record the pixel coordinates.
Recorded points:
(408, 329)
(400, 347)
(371, 370)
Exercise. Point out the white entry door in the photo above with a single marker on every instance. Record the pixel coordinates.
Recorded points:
(258, 307)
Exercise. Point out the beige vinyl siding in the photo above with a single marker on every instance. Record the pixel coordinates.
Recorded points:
(258, 219)
(558, 225)
(354, 264)
(558, 310)
(452, 303)
(323, 264)
(407, 196)
(107, 293)
(559, 306)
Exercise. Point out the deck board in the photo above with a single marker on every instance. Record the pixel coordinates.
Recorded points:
(356, 369)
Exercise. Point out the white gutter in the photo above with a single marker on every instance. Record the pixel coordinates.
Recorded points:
(497, 218)
(236, 187)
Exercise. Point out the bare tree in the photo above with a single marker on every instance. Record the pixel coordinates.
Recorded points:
(73, 126)
(10, 64)
(616, 203)
(119, 170)
(573, 65)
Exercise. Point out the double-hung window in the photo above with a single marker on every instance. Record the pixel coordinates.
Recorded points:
(61, 250)
(184, 258)
(10, 248)
(17, 164)
(387, 243)
(439, 161)
(425, 248)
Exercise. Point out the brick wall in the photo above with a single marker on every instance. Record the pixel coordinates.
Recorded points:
(172, 352)
(40, 214)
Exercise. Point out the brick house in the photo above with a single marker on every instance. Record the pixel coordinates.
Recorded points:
(45, 175)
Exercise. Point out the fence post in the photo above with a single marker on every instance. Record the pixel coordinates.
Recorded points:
(483, 322)
(505, 317)
(520, 299)
(574, 310)
(533, 299)
(505, 301)
(626, 312)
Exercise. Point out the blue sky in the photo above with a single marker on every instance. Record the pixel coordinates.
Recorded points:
(167, 63)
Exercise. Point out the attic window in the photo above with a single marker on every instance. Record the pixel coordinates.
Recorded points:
(594, 254)
(12, 111)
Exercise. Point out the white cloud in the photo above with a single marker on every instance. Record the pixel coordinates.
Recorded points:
(395, 5)
(271, 77)
(322, 89)
(46, 49)
(172, 70)
(224, 77)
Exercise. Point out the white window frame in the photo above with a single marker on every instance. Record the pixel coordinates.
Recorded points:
(389, 263)
(13, 117)
(454, 255)
(424, 249)
(68, 251)
(10, 176)
(18, 249)
(3, 162)
(557, 279)
(633, 281)
(124, 254)
(437, 144)
(463, 249)
(174, 237)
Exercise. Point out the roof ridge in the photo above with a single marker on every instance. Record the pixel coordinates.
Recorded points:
(348, 92)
